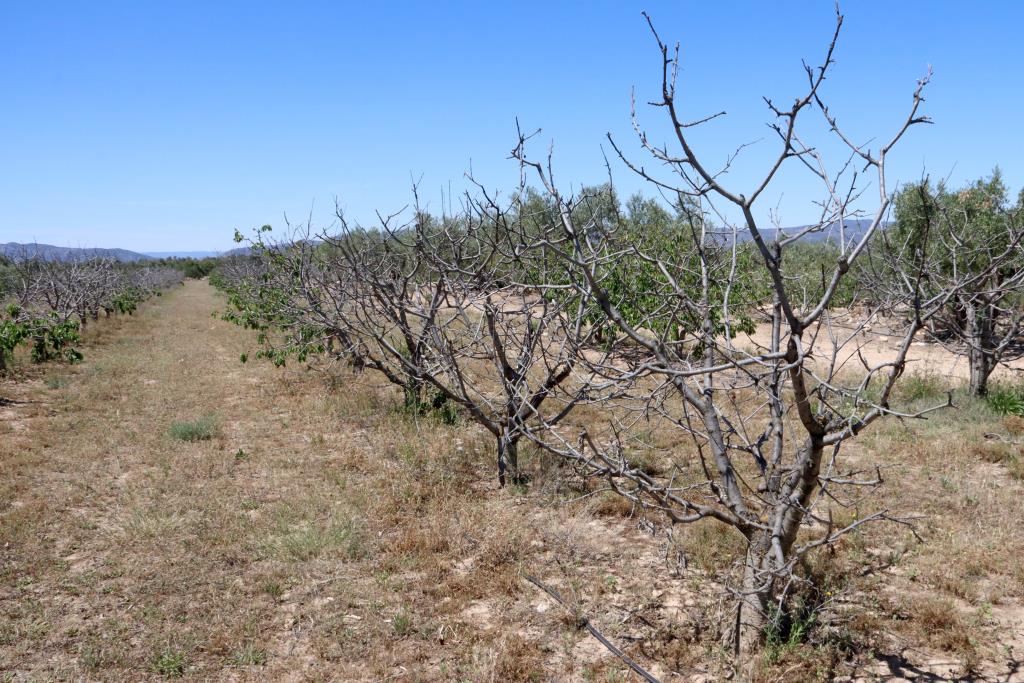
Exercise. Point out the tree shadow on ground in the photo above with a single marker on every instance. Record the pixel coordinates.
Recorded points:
(894, 667)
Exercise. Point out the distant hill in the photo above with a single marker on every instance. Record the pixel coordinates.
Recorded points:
(183, 254)
(853, 230)
(48, 252)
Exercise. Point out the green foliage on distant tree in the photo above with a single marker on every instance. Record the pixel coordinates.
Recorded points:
(963, 234)
(649, 249)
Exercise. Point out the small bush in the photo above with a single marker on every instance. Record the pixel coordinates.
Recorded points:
(436, 406)
(785, 632)
(202, 429)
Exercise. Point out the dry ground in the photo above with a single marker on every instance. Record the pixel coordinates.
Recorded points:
(322, 535)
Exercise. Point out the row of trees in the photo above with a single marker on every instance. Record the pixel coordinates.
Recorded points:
(518, 310)
(48, 302)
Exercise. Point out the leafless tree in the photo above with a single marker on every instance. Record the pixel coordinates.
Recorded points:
(969, 241)
(766, 421)
(456, 311)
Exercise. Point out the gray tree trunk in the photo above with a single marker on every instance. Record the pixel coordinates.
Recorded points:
(980, 340)
(755, 601)
(508, 459)
(759, 578)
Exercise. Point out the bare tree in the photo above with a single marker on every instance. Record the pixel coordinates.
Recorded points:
(459, 311)
(766, 422)
(971, 240)
(52, 300)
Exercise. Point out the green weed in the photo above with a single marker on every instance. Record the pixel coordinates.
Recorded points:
(203, 429)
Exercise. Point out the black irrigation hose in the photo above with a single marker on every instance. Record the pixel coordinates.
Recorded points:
(583, 621)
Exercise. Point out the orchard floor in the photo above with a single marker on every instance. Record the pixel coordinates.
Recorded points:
(321, 534)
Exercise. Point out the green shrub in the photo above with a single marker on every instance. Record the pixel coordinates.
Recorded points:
(1006, 401)
(198, 430)
(402, 623)
(435, 405)
(785, 632)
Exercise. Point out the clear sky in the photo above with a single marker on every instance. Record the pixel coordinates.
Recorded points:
(166, 125)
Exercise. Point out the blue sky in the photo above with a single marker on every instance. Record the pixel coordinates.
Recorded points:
(165, 126)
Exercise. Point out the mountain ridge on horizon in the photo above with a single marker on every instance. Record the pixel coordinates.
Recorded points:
(14, 250)
(18, 250)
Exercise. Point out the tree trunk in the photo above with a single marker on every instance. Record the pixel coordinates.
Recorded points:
(979, 349)
(508, 459)
(759, 601)
(755, 602)
(979, 373)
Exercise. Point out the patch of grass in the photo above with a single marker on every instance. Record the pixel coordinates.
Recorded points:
(709, 545)
(992, 451)
(943, 625)
(314, 541)
(170, 664)
(203, 429)
(611, 504)
(250, 655)
(783, 635)
(273, 588)
(518, 659)
(922, 385)
(1007, 401)
(1013, 424)
(401, 623)
(56, 382)
(646, 463)
(1015, 467)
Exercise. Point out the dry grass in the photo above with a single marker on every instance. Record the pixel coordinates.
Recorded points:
(320, 534)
